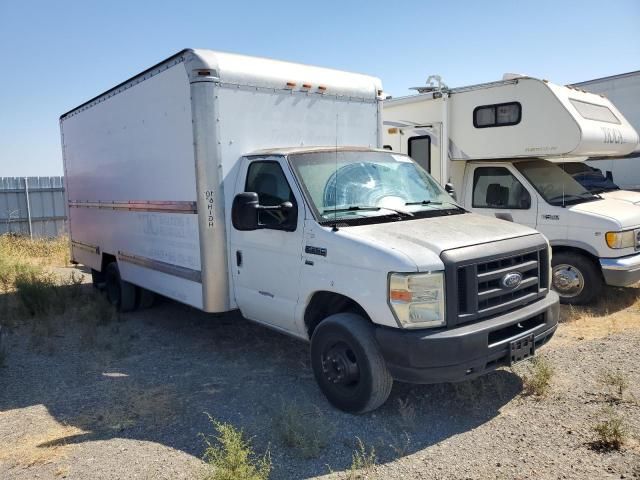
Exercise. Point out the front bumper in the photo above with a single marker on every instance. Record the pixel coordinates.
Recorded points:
(621, 272)
(455, 354)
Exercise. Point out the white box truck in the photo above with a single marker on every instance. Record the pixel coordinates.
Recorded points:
(230, 182)
(495, 144)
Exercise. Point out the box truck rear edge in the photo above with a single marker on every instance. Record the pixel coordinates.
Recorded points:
(231, 182)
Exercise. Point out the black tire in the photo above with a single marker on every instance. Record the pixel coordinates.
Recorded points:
(121, 294)
(575, 265)
(98, 279)
(347, 341)
(146, 298)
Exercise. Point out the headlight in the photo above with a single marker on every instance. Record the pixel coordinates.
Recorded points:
(417, 299)
(626, 239)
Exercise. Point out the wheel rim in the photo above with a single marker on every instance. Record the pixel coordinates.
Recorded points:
(568, 281)
(340, 366)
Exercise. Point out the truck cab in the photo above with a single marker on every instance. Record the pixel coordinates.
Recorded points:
(493, 144)
(585, 228)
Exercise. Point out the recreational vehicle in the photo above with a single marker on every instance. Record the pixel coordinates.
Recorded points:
(231, 182)
(495, 144)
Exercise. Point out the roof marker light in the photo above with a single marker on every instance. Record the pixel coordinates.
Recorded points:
(322, 88)
(306, 85)
(291, 84)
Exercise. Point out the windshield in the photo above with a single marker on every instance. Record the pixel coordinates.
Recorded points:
(590, 178)
(555, 185)
(364, 184)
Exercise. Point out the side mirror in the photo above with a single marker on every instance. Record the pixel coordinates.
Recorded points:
(450, 190)
(609, 175)
(244, 211)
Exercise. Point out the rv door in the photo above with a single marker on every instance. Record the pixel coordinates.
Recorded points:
(422, 143)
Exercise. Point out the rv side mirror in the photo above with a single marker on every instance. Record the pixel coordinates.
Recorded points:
(244, 211)
(609, 175)
(450, 190)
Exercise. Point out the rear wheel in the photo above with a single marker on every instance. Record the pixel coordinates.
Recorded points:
(575, 277)
(120, 293)
(348, 365)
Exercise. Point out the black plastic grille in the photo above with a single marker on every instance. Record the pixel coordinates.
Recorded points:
(481, 293)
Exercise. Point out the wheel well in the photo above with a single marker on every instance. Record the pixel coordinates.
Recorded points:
(107, 258)
(579, 251)
(323, 304)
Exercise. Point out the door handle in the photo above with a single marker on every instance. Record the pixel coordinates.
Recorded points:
(238, 258)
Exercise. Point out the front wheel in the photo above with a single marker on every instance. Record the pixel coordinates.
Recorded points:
(575, 277)
(348, 365)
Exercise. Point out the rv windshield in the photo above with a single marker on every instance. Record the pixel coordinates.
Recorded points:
(361, 185)
(555, 185)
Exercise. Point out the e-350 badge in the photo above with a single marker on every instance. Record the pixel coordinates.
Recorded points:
(551, 217)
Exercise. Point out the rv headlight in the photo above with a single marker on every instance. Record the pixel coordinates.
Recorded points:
(417, 299)
(626, 239)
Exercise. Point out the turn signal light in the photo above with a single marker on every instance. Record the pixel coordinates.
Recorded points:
(400, 296)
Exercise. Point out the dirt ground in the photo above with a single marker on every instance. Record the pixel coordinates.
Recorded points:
(130, 398)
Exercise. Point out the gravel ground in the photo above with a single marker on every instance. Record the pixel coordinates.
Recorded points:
(129, 401)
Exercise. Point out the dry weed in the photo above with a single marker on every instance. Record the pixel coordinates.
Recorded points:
(616, 381)
(231, 456)
(363, 461)
(611, 431)
(537, 379)
(306, 431)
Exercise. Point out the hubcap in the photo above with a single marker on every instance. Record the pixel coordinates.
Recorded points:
(339, 365)
(567, 280)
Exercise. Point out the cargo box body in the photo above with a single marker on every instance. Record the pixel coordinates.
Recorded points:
(150, 165)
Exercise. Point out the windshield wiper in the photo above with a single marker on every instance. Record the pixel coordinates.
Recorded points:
(431, 202)
(355, 208)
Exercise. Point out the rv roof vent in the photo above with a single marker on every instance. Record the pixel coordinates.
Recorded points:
(434, 83)
(512, 76)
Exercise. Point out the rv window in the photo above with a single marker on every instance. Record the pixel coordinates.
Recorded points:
(267, 179)
(420, 151)
(498, 115)
(496, 187)
(591, 111)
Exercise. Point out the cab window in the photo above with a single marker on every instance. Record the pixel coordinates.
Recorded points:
(266, 178)
(496, 187)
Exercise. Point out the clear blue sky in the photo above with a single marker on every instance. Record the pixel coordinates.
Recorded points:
(57, 54)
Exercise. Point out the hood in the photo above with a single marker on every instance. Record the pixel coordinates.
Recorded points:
(625, 214)
(425, 238)
(624, 195)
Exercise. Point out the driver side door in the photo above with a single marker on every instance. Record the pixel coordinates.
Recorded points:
(497, 191)
(267, 262)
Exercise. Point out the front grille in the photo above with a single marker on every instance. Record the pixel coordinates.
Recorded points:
(479, 286)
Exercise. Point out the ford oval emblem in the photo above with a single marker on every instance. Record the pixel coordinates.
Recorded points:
(511, 280)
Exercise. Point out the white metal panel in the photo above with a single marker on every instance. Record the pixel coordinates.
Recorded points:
(136, 145)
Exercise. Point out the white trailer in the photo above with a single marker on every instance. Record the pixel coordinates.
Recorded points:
(504, 139)
(232, 182)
